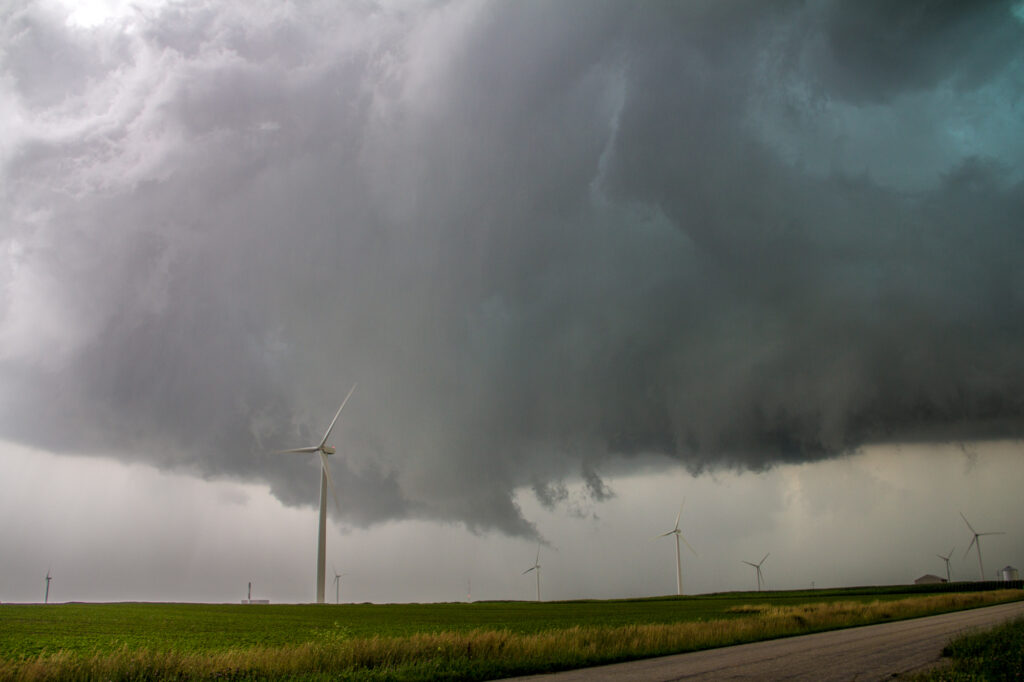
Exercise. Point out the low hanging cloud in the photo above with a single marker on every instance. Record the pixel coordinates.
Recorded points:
(547, 240)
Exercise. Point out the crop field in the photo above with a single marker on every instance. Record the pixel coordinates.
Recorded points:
(420, 641)
(30, 630)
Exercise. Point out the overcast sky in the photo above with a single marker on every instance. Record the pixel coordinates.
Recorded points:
(582, 258)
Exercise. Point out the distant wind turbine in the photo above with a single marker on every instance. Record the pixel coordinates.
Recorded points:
(323, 449)
(337, 583)
(46, 598)
(757, 567)
(976, 541)
(536, 567)
(946, 558)
(679, 535)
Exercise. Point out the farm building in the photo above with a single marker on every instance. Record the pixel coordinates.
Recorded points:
(929, 579)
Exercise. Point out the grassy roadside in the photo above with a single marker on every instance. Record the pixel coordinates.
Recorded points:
(996, 654)
(479, 653)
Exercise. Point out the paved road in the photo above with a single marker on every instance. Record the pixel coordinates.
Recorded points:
(874, 652)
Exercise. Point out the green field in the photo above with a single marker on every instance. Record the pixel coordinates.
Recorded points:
(396, 641)
(33, 629)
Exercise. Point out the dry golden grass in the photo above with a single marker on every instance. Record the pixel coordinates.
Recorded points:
(483, 654)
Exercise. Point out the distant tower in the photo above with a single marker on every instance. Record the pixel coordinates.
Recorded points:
(46, 599)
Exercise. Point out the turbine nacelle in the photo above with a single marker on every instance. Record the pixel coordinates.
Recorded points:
(679, 536)
(536, 567)
(757, 567)
(323, 450)
(976, 543)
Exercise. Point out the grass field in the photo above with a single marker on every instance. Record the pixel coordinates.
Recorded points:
(419, 641)
(996, 654)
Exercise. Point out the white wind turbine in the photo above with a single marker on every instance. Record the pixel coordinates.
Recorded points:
(757, 567)
(946, 558)
(976, 541)
(536, 567)
(679, 535)
(337, 583)
(46, 598)
(323, 449)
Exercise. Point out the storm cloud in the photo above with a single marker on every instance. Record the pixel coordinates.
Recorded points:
(546, 239)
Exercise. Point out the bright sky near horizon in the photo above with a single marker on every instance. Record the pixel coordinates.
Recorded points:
(880, 518)
(583, 259)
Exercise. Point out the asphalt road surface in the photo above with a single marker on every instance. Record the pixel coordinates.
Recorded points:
(872, 652)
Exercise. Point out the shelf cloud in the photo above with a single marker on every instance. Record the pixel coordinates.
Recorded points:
(549, 240)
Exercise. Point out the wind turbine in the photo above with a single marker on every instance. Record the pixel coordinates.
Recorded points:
(949, 579)
(976, 541)
(679, 535)
(46, 599)
(536, 567)
(757, 567)
(323, 449)
(337, 583)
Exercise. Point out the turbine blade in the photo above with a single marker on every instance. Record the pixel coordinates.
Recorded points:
(537, 560)
(763, 558)
(663, 535)
(336, 415)
(687, 544)
(293, 451)
(680, 514)
(968, 523)
(330, 483)
(973, 541)
(999, 532)
(750, 564)
(529, 569)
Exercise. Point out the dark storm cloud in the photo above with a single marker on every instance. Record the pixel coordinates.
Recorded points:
(874, 50)
(544, 239)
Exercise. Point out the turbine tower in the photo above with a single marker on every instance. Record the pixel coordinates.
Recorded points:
(536, 567)
(46, 598)
(757, 567)
(679, 535)
(976, 541)
(323, 449)
(337, 584)
(946, 558)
